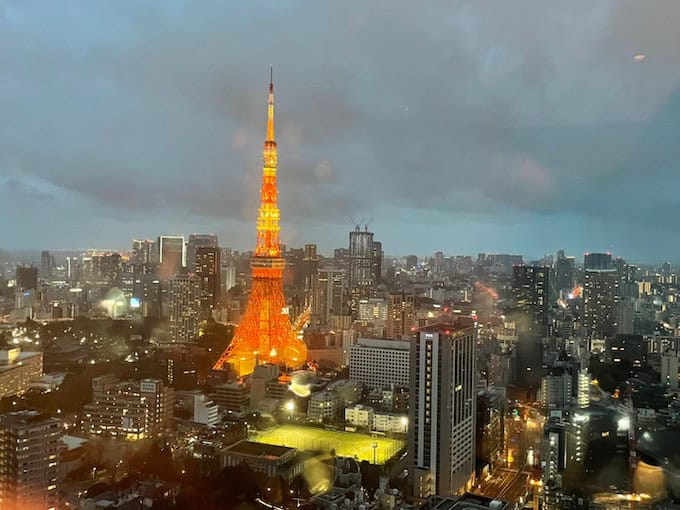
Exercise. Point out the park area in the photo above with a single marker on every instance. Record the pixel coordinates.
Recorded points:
(345, 444)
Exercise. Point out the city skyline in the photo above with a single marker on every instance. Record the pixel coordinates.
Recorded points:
(456, 127)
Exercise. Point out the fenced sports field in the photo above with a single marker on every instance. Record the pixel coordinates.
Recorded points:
(345, 444)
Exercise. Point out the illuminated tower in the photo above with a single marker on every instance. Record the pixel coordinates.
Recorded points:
(265, 334)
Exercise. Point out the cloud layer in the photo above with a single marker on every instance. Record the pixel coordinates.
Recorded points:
(461, 126)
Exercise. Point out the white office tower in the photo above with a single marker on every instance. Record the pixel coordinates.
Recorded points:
(442, 411)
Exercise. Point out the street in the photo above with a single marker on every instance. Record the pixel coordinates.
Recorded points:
(511, 481)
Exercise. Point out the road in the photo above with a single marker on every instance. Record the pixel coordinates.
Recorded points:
(511, 481)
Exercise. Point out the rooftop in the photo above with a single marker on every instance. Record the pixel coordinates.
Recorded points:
(24, 418)
(258, 449)
(445, 328)
(465, 502)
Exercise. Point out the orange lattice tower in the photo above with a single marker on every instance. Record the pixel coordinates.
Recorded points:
(265, 334)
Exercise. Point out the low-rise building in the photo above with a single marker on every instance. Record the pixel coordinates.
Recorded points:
(390, 422)
(201, 408)
(323, 406)
(359, 416)
(265, 458)
(18, 369)
(233, 398)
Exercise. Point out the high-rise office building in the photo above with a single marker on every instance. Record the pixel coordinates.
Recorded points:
(377, 261)
(207, 267)
(46, 264)
(328, 296)
(600, 296)
(195, 242)
(564, 275)
(30, 445)
(442, 410)
(142, 251)
(411, 262)
(361, 271)
(74, 269)
(401, 314)
(185, 308)
(341, 258)
(597, 261)
(531, 289)
(171, 256)
(309, 270)
(438, 262)
(27, 277)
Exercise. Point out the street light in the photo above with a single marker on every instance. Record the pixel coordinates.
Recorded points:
(290, 407)
(374, 445)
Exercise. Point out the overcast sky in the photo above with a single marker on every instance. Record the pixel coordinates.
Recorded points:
(466, 126)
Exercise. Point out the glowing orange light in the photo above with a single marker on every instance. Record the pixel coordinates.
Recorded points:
(488, 290)
(266, 326)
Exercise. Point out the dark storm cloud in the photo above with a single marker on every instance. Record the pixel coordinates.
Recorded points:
(471, 117)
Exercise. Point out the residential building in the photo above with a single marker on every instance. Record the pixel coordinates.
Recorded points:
(128, 409)
(324, 406)
(30, 445)
(185, 308)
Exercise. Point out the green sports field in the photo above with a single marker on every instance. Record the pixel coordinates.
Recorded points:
(345, 444)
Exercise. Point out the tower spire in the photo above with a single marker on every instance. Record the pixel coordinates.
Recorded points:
(270, 107)
(268, 217)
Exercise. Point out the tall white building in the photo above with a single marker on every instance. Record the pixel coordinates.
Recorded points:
(185, 308)
(378, 363)
(442, 410)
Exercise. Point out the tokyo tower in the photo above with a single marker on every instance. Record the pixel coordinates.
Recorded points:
(265, 334)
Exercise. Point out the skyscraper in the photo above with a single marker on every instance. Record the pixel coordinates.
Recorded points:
(597, 261)
(27, 277)
(531, 288)
(207, 267)
(361, 270)
(185, 308)
(401, 314)
(142, 250)
(30, 444)
(328, 296)
(171, 256)
(600, 295)
(377, 261)
(195, 242)
(265, 334)
(564, 275)
(442, 410)
(46, 264)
